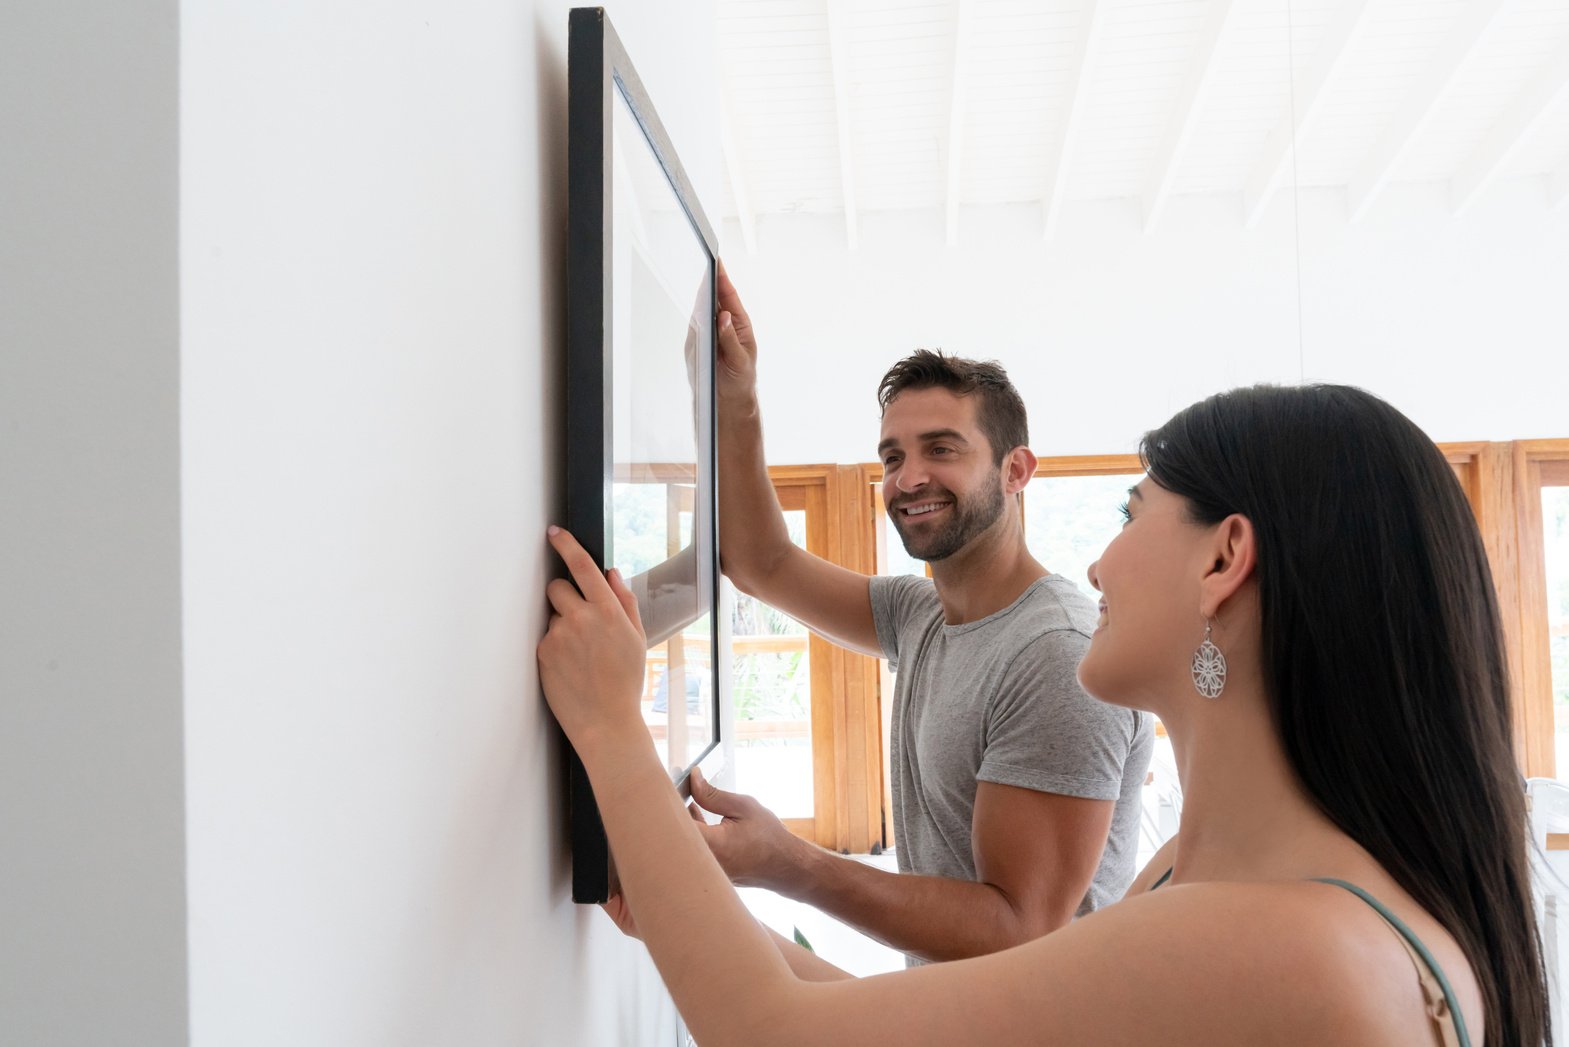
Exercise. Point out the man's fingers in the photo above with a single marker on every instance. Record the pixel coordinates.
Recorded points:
(728, 805)
(730, 301)
(585, 572)
(732, 354)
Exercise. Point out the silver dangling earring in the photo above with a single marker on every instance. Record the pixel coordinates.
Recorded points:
(1209, 667)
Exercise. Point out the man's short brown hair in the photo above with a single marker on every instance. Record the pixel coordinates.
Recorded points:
(998, 409)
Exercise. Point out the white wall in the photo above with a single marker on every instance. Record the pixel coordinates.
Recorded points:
(332, 417)
(1462, 323)
(373, 233)
(92, 884)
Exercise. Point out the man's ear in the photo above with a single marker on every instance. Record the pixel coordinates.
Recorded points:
(1018, 467)
(1232, 556)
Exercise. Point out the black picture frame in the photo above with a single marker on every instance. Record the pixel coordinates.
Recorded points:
(598, 67)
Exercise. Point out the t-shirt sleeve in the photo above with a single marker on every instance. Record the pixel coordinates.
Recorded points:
(896, 600)
(1044, 733)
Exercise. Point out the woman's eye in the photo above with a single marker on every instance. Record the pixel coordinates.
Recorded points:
(1122, 510)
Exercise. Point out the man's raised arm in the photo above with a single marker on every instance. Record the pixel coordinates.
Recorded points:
(755, 548)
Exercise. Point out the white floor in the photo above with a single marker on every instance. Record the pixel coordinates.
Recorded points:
(838, 943)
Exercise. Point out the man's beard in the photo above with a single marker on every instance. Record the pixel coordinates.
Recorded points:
(966, 519)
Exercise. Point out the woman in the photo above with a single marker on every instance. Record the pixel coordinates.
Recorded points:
(1300, 593)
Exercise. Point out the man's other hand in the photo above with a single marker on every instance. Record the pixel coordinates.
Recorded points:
(752, 845)
(736, 375)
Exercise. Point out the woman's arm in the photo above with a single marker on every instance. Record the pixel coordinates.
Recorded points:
(807, 965)
(1201, 963)
(707, 947)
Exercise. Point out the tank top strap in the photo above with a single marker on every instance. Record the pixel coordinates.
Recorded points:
(1442, 1006)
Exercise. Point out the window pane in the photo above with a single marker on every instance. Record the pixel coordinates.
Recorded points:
(773, 700)
(894, 559)
(1555, 551)
(1068, 520)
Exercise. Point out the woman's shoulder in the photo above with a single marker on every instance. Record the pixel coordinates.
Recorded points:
(1270, 957)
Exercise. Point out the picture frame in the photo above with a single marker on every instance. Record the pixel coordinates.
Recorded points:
(641, 456)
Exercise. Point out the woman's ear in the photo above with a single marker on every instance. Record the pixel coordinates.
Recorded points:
(1233, 552)
(1018, 468)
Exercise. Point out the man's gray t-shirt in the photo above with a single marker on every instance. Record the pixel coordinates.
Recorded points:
(998, 700)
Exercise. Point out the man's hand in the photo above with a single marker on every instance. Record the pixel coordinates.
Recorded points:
(736, 375)
(751, 843)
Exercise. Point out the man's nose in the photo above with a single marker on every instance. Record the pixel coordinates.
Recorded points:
(911, 477)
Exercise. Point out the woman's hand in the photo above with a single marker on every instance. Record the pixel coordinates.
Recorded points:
(620, 912)
(591, 659)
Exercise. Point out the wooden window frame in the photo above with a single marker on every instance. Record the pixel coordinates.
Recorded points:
(1502, 481)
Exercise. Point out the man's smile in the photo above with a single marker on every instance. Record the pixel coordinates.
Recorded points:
(923, 508)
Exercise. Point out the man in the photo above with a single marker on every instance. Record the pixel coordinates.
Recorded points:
(1015, 795)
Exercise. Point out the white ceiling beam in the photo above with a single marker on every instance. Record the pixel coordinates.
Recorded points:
(1509, 133)
(1421, 104)
(1558, 190)
(1086, 48)
(1189, 103)
(1297, 120)
(839, 60)
(736, 168)
(956, 112)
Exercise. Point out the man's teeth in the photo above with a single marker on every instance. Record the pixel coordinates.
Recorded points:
(922, 510)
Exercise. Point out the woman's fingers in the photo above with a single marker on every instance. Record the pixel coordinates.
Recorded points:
(585, 572)
(628, 599)
(563, 596)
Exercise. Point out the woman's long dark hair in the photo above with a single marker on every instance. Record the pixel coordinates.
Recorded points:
(1383, 656)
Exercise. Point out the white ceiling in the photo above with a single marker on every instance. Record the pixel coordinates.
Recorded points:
(846, 106)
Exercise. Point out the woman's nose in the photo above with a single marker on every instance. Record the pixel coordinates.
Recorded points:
(1094, 579)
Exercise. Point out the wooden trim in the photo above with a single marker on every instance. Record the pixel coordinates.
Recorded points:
(1536, 464)
(869, 481)
(800, 475)
(1558, 841)
(862, 769)
(1546, 450)
(805, 828)
(654, 472)
(1089, 465)
(847, 746)
(1530, 665)
(825, 792)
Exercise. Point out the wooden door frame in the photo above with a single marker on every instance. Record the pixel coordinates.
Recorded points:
(847, 745)
(1535, 464)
